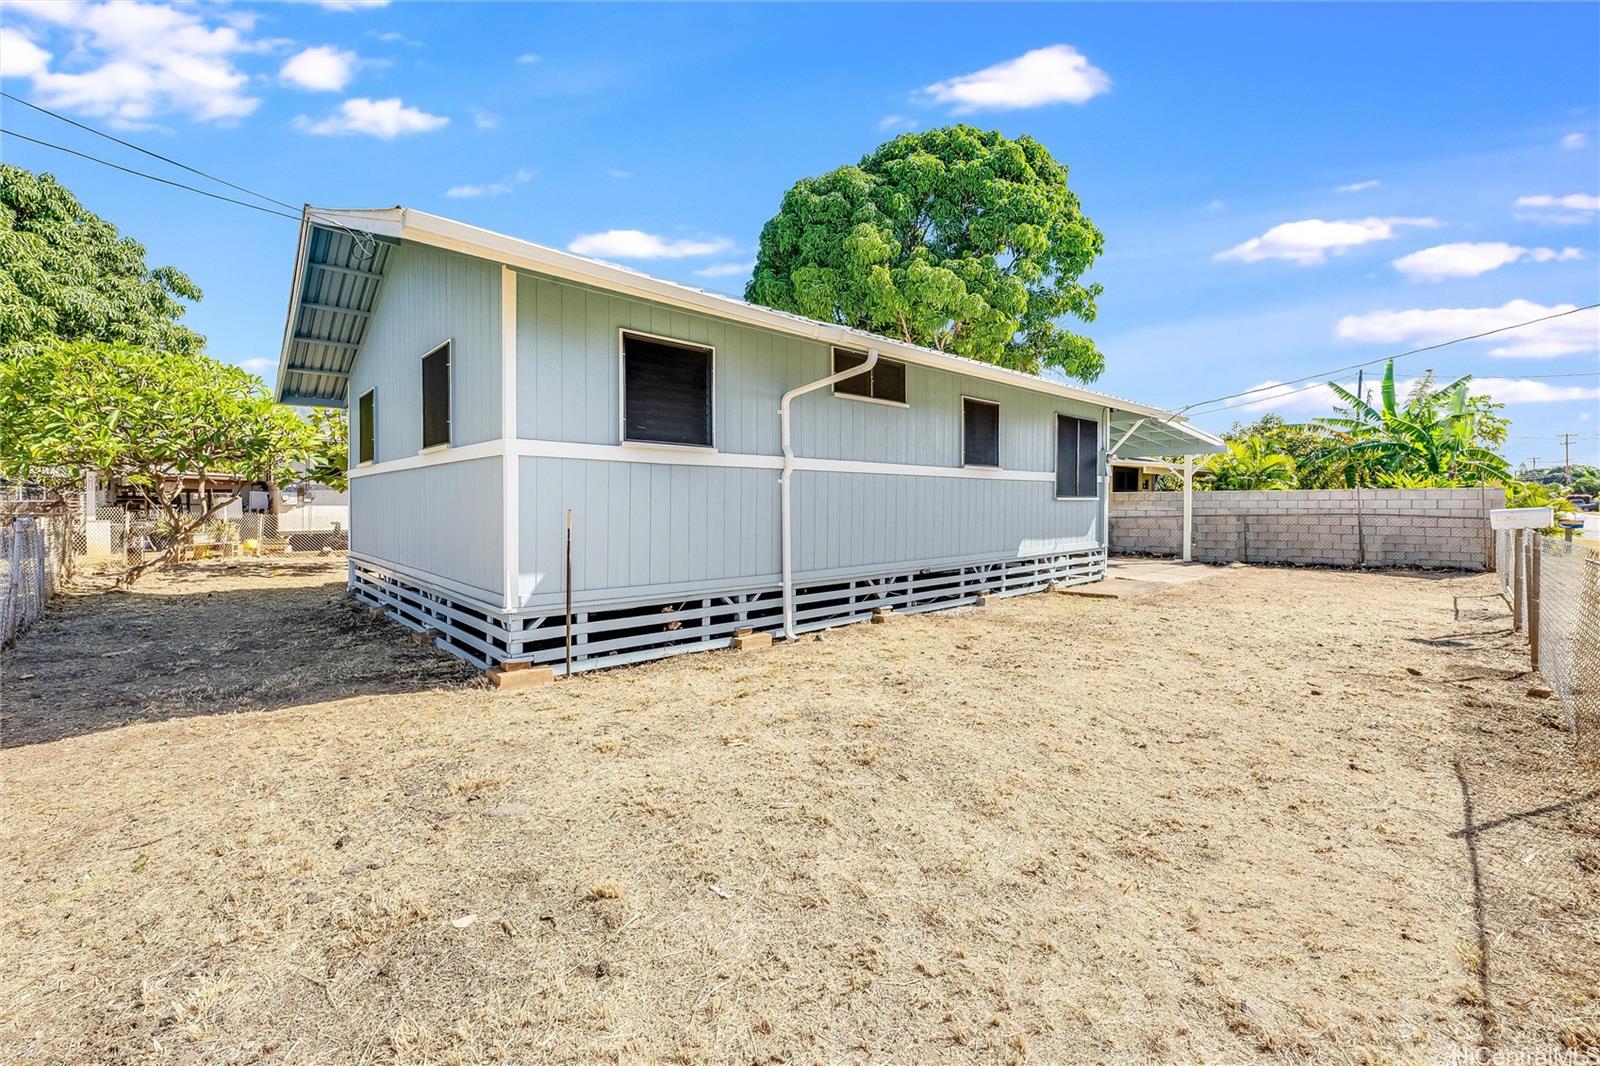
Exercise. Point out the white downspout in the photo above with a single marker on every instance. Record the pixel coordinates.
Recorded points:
(788, 471)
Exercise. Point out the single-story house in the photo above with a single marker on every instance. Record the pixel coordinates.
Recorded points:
(720, 466)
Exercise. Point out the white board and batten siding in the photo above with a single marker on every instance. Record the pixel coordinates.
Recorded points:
(677, 523)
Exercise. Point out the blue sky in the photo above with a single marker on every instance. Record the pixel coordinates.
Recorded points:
(1284, 189)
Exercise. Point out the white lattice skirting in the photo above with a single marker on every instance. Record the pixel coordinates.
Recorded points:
(617, 634)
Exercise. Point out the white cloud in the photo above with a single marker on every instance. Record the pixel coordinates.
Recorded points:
(620, 175)
(1319, 399)
(1575, 202)
(321, 69)
(485, 120)
(528, 58)
(1468, 260)
(395, 37)
(384, 119)
(1054, 75)
(1216, 205)
(1574, 141)
(1311, 241)
(1567, 335)
(726, 270)
(497, 188)
(352, 5)
(1359, 186)
(258, 365)
(893, 122)
(637, 244)
(132, 62)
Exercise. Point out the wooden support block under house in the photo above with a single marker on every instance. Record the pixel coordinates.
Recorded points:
(519, 675)
(880, 615)
(983, 600)
(747, 641)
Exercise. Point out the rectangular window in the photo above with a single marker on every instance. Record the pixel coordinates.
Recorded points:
(436, 397)
(366, 430)
(886, 381)
(666, 391)
(1077, 457)
(980, 432)
(1124, 479)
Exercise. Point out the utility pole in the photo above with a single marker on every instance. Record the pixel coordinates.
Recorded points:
(1532, 466)
(1566, 442)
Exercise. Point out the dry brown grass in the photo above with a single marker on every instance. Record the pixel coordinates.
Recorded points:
(1222, 823)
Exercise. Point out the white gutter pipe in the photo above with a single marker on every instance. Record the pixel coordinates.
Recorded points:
(788, 472)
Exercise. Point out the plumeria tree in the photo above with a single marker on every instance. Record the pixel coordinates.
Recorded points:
(148, 419)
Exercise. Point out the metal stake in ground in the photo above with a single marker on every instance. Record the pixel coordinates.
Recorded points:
(1535, 549)
(569, 592)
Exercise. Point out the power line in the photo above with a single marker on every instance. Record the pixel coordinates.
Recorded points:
(146, 151)
(1371, 362)
(151, 177)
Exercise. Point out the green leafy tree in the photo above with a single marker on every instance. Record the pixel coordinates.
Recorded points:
(67, 274)
(958, 239)
(148, 419)
(1299, 442)
(1248, 464)
(1439, 433)
(330, 461)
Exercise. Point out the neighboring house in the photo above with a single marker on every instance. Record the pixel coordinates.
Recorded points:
(1139, 475)
(496, 387)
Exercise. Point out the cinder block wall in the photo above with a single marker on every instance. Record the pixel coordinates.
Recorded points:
(1441, 528)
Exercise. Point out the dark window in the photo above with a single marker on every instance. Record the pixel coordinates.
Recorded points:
(1124, 479)
(436, 397)
(666, 389)
(885, 381)
(367, 434)
(1078, 457)
(980, 433)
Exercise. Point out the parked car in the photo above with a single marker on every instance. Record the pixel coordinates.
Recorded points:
(1583, 501)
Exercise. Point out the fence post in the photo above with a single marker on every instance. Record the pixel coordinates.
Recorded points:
(1516, 581)
(1535, 548)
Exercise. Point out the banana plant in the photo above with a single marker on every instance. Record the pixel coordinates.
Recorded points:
(1437, 433)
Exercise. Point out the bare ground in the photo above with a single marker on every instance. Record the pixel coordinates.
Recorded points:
(1275, 815)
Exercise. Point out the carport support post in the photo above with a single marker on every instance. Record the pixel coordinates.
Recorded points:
(1535, 547)
(1188, 508)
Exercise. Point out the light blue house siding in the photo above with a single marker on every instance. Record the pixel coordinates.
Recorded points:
(885, 495)
(653, 528)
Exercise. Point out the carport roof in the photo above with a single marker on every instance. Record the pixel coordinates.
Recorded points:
(344, 254)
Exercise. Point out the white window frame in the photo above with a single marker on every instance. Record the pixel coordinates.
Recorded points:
(1056, 453)
(833, 368)
(999, 463)
(450, 379)
(623, 333)
(373, 392)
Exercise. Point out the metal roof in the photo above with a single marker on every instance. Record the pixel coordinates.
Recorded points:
(337, 279)
(357, 250)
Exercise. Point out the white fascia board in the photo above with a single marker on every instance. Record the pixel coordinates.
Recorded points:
(302, 249)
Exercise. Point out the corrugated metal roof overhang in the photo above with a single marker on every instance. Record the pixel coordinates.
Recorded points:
(1165, 433)
(337, 279)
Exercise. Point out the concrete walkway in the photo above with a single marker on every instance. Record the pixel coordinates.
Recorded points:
(1128, 576)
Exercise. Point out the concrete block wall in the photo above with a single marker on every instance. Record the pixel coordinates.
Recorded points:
(1438, 528)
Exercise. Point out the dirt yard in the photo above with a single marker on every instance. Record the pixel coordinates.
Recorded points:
(1275, 815)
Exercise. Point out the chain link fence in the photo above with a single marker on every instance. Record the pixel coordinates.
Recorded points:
(35, 557)
(1553, 586)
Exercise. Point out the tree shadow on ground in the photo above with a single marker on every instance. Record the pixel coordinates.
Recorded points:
(205, 639)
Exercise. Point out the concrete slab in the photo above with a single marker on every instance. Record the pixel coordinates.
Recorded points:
(1129, 576)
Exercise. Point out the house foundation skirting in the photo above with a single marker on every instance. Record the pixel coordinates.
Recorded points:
(618, 634)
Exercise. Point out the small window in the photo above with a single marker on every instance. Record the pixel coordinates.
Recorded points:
(666, 392)
(886, 381)
(1078, 457)
(980, 432)
(1124, 479)
(366, 430)
(436, 397)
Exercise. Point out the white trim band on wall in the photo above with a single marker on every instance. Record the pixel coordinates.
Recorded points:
(628, 453)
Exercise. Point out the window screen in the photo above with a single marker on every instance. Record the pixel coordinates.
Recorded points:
(436, 397)
(1077, 456)
(885, 381)
(666, 391)
(980, 433)
(367, 435)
